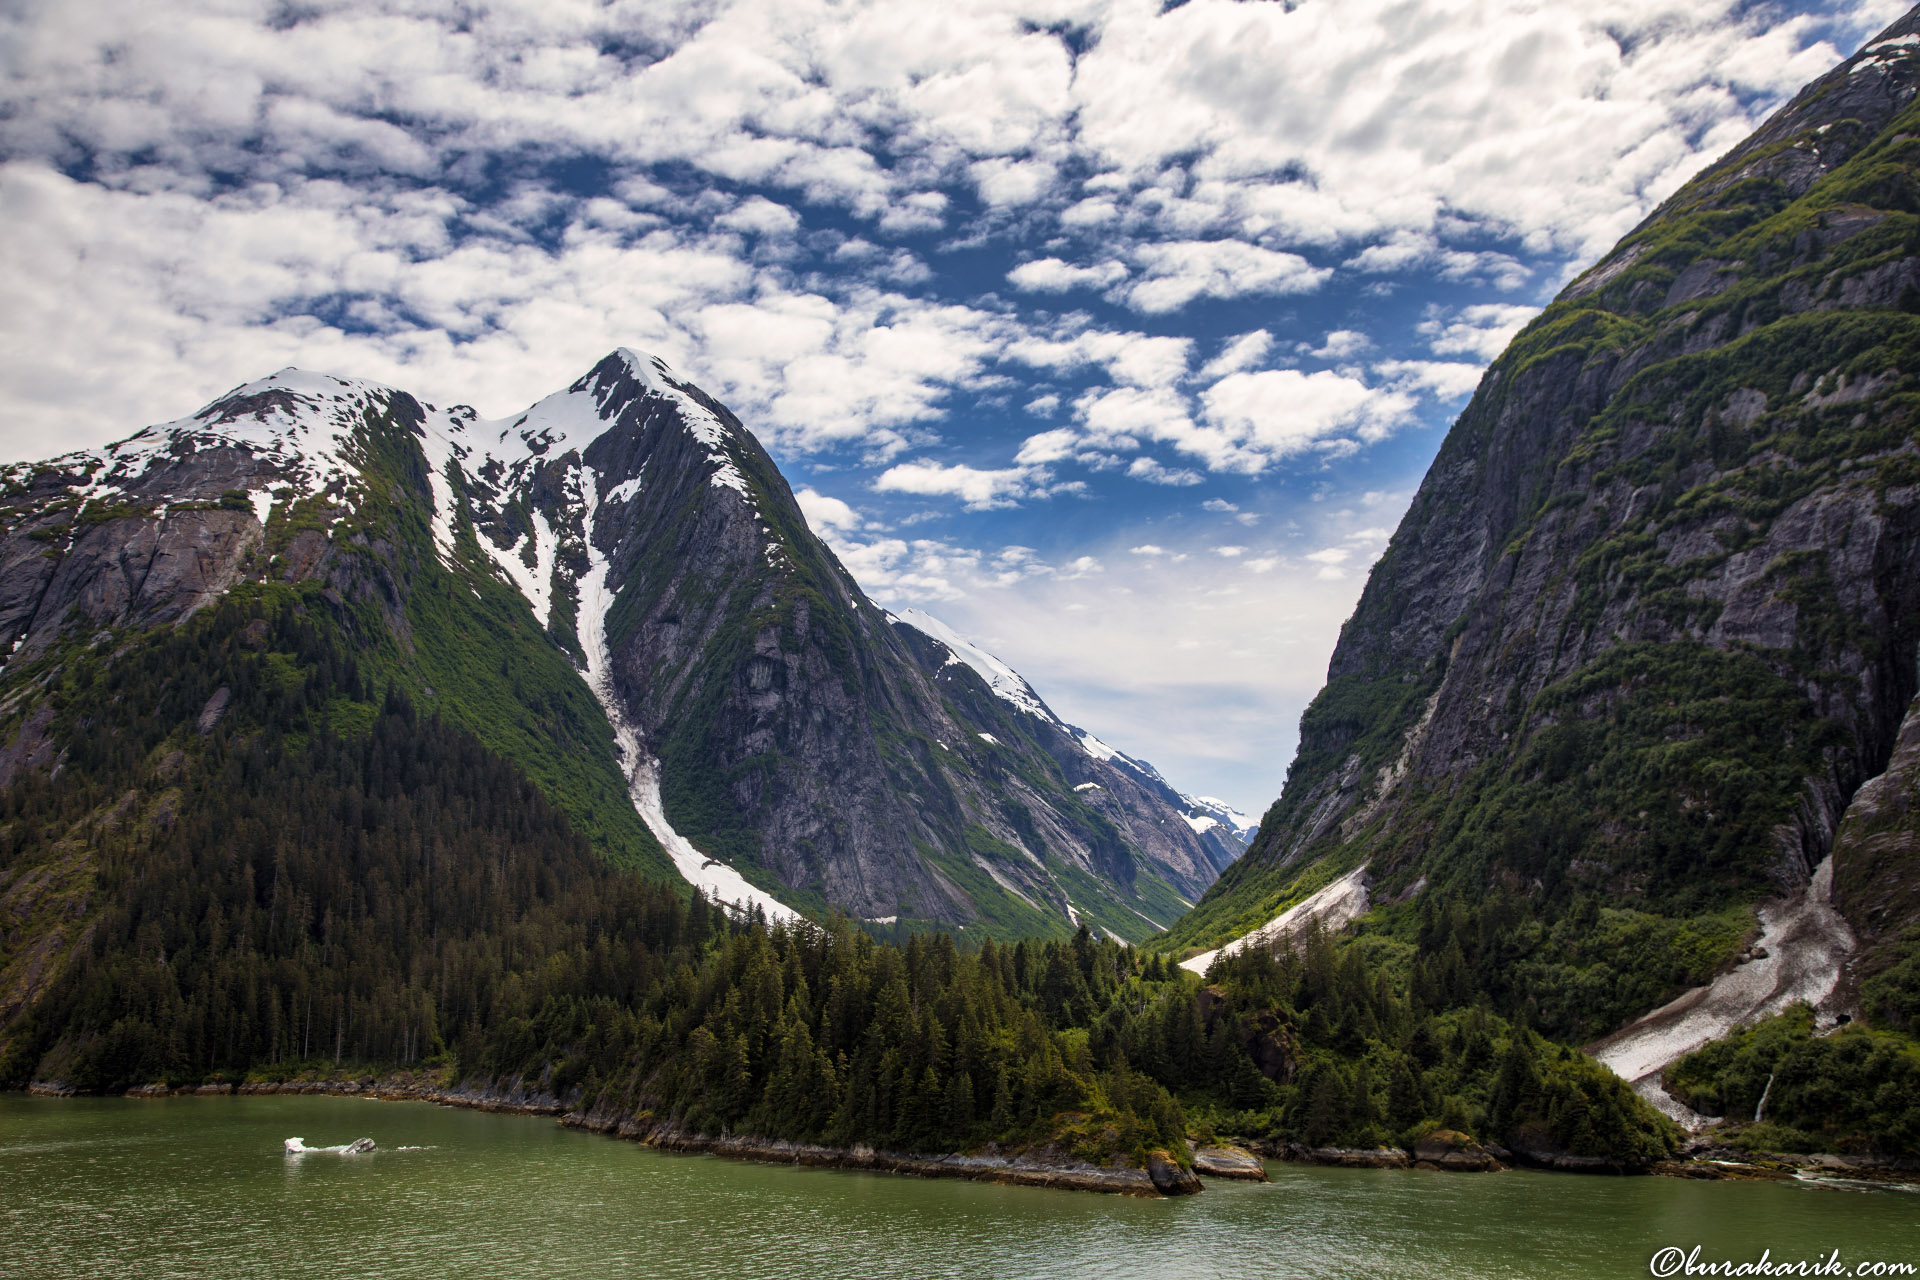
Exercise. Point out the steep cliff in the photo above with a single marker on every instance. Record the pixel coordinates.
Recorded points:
(1654, 614)
(616, 591)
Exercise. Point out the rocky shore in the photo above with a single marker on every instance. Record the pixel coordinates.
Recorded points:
(1042, 1167)
(1163, 1176)
(1440, 1151)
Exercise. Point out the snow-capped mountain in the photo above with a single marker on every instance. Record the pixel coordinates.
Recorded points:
(616, 589)
(1224, 830)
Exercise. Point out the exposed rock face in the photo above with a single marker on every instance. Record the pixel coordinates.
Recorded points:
(1876, 857)
(1654, 613)
(630, 538)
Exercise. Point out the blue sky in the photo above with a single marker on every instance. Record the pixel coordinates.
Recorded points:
(1116, 333)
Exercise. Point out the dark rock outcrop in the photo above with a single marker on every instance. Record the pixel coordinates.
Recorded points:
(1335, 1157)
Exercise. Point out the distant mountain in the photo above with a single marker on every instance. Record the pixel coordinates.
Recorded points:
(616, 591)
(1223, 830)
(1643, 648)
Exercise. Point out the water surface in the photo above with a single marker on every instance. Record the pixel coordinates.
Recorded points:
(200, 1187)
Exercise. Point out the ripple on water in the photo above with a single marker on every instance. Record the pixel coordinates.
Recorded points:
(199, 1187)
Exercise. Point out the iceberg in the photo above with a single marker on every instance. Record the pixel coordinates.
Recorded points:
(358, 1147)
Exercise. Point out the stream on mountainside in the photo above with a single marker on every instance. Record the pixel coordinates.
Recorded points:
(192, 1187)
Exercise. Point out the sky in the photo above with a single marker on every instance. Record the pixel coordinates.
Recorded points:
(1115, 333)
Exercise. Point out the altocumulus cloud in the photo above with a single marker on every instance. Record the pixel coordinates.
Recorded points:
(1207, 243)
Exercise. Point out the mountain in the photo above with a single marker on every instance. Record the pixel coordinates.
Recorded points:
(1621, 700)
(615, 591)
(1223, 831)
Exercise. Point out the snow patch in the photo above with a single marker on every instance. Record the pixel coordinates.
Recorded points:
(1806, 943)
(1094, 747)
(536, 584)
(714, 877)
(262, 500)
(1335, 905)
(989, 739)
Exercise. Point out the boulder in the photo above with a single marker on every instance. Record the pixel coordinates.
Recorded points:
(1450, 1151)
(1169, 1177)
(1228, 1162)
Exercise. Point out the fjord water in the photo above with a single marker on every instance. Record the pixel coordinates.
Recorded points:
(200, 1187)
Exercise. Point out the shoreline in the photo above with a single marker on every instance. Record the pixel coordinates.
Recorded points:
(1163, 1177)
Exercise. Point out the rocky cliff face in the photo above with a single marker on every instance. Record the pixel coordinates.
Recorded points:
(616, 590)
(1654, 614)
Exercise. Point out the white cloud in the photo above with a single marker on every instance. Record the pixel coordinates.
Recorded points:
(1339, 345)
(1447, 379)
(981, 490)
(1254, 419)
(1051, 275)
(265, 190)
(1219, 504)
(1482, 331)
(761, 216)
(1008, 182)
(1154, 473)
(1242, 352)
(1147, 549)
(826, 515)
(1177, 272)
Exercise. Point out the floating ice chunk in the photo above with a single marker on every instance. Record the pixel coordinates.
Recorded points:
(358, 1147)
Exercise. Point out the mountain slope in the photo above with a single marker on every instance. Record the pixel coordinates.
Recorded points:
(1222, 830)
(616, 591)
(1652, 618)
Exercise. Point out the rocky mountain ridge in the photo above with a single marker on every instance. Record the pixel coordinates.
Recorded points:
(748, 713)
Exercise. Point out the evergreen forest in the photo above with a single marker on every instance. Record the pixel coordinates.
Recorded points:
(258, 862)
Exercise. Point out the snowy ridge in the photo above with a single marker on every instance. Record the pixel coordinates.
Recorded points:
(303, 422)
(1005, 682)
(701, 422)
(1206, 809)
(1202, 813)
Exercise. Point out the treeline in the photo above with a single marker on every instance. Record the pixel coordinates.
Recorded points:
(312, 881)
(820, 1034)
(327, 879)
(1342, 1044)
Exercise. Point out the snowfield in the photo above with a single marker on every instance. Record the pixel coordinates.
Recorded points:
(1333, 907)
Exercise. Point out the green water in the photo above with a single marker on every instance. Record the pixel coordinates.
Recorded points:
(199, 1187)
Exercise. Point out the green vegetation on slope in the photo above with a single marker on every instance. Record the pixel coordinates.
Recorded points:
(272, 897)
(1857, 1090)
